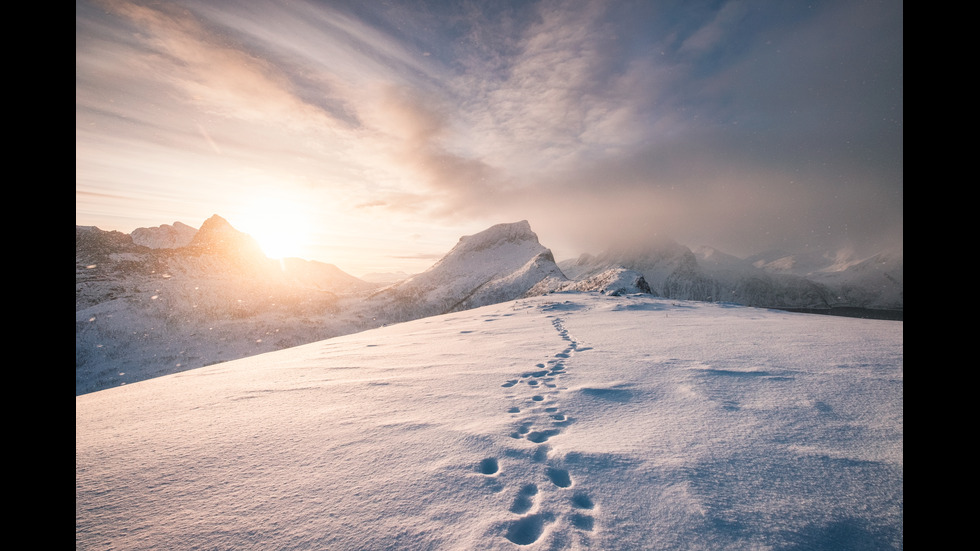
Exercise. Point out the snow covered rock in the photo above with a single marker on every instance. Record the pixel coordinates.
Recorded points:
(613, 282)
(165, 236)
(668, 268)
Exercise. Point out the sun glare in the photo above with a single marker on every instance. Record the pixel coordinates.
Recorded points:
(281, 227)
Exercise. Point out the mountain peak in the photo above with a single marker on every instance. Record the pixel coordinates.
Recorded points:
(515, 232)
(500, 263)
(218, 235)
(215, 223)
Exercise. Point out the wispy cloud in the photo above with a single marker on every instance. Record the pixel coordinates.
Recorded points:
(738, 123)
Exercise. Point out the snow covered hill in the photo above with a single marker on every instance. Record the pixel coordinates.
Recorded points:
(566, 421)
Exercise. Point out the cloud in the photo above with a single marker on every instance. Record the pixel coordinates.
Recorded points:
(184, 55)
(739, 123)
(733, 130)
(714, 33)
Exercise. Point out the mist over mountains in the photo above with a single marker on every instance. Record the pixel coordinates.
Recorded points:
(167, 299)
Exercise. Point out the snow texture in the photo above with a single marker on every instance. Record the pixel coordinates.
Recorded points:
(567, 421)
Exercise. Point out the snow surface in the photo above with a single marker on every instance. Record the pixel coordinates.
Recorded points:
(568, 421)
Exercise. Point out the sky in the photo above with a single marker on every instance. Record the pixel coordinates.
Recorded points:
(372, 135)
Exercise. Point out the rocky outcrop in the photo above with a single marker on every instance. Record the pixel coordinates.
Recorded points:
(165, 236)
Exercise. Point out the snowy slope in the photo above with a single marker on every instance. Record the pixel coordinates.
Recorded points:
(567, 421)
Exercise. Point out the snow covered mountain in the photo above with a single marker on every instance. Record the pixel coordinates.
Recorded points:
(613, 282)
(142, 312)
(165, 236)
(777, 280)
(146, 311)
(566, 421)
(501, 263)
(877, 281)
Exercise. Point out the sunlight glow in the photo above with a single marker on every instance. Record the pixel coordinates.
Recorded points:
(282, 227)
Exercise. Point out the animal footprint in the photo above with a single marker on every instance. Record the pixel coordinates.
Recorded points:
(523, 429)
(581, 500)
(561, 420)
(525, 499)
(559, 477)
(489, 466)
(540, 436)
(527, 530)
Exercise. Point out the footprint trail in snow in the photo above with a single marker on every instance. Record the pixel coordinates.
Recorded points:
(539, 419)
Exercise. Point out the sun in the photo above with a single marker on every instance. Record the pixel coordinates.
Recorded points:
(282, 227)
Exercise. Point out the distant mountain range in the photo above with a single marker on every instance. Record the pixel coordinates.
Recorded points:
(166, 299)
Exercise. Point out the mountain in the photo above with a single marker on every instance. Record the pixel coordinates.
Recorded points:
(146, 311)
(323, 276)
(142, 312)
(613, 282)
(777, 279)
(385, 278)
(165, 236)
(844, 279)
(564, 421)
(804, 263)
(875, 282)
(499, 264)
